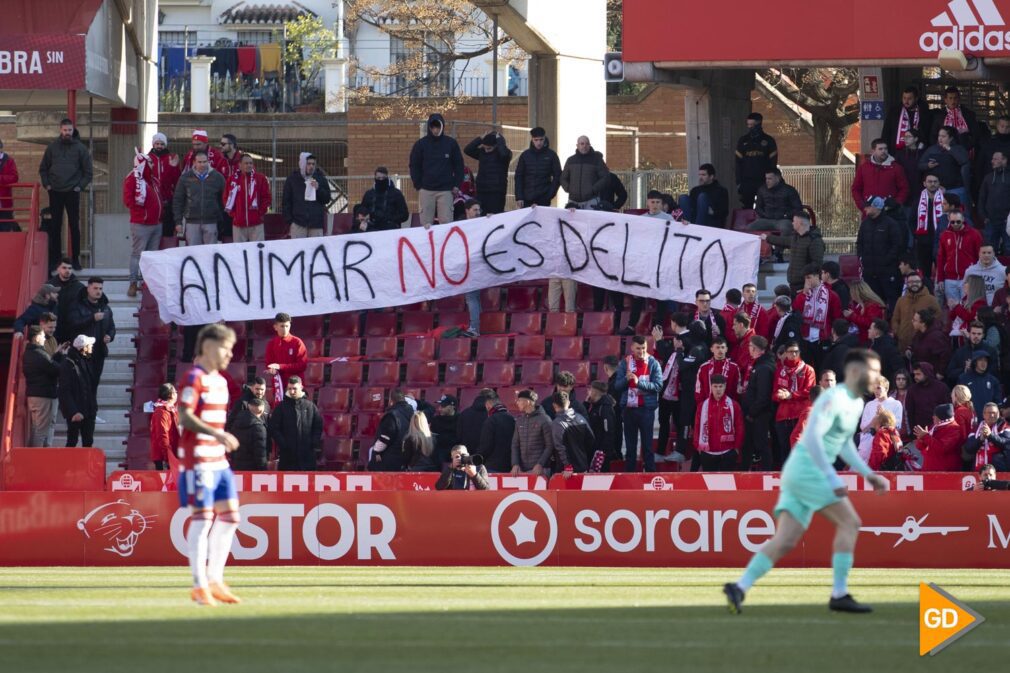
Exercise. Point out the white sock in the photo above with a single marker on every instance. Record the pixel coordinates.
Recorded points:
(221, 535)
(199, 530)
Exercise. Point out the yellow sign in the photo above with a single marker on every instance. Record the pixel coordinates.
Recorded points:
(942, 619)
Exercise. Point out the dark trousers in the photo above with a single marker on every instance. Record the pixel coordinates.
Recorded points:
(58, 203)
(748, 192)
(722, 462)
(667, 409)
(924, 256)
(97, 367)
(638, 422)
(783, 429)
(167, 219)
(6, 224)
(85, 429)
(491, 202)
(756, 443)
(888, 287)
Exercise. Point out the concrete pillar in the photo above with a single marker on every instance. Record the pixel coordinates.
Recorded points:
(716, 116)
(199, 84)
(148, 111)
(335, 84)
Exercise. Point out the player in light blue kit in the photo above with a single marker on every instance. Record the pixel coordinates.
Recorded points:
(810, 484)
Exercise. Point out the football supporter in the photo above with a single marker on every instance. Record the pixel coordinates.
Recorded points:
(941, 443)
(793, 380)
(719, 428)
(164, 426)
(296, 427)
(286, 355)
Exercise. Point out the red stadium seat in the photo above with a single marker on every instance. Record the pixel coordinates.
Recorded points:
(138, 452)
(851, 268)
(334, 400)
(370, 399)
(561, 324)
(337, 425)
(499, 374)
(307, 326)
(140, 423)
(597, 324)
(345, 347)
(492, 323)
(422, 373)
(467, 396)
(526, 323)
(602, 346)
(338, 451)
(314, 347)
(520, 298)
(153, 348)
(461, 373)
(147, 301)
(380, 324)
(492, 348)
(418, 322)
(274, 226)
(537, 372)
(150, 324)
(454, 303)
(741, 218)
(580, 368)
(490, 299)
(346, 374)
(143, 394)
(259, 350)
(386, 374)
(345, 324)
(314, 375)
(380, 348)
(584, 297)
(529, 347)
(433, 394)
(419, 348)
(240, 328)
(454, 350)
(368, 425)
(453, 319)
(150, 375)
(239, 371)
(263, 329)
(342, 223)
(566, 348)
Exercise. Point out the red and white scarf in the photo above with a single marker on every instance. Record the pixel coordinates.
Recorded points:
(720, 367)
(671, 374)
(815, 312)
(904, 124)
(641, 369)
(717, 415)
(985, 451)
(753, 312)
(956, 119)
(248, 188)
(140, 162)
(715, 325)
(790, 380)
(922, 219)
(278, 389)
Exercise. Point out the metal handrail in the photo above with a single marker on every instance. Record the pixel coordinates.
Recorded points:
(12, 432)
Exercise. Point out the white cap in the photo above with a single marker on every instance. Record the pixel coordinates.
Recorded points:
(81, 341)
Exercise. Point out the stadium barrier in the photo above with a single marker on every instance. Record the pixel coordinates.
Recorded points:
(520, 528)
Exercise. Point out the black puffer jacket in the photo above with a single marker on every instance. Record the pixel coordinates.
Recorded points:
(296, 210)
(251, 433)
(538, 175)
(470, 423)
(496, 439)
(297, 427)
(387, 206)
(76, 391)
(493, 166)
(436, 164)
(42, 372)
(994, 196)
(584, 175)
(879, 243)
(602, 417)
(779, 203)
(444, 430)
(69, 291)
(66, 165)
(393, 428)
(81, 316)
(757, 396)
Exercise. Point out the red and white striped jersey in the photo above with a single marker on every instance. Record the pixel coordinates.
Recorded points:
(206, 395)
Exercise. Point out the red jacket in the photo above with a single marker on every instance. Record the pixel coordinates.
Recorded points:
(290, 354)
(863, 316)
(804, 378)
(883, 180)
(167, 172)
(232, 165)
(965, 417)
(941, 448)
(725, 433)
(741, 352)
(885, 442)
(958, 251)
(702, 385)
(8, 176)
(149, 211)
(217, 162)
(246, 211)
(164, 431)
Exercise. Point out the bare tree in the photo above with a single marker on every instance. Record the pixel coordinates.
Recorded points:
(828, 94)
(427, 54)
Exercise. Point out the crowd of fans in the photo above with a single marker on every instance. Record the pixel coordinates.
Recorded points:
(729, 389)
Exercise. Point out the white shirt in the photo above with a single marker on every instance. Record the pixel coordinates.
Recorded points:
(869, 412)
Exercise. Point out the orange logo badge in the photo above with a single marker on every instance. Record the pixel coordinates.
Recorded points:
(942, 619)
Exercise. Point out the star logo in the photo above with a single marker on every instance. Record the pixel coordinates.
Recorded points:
(526, 511)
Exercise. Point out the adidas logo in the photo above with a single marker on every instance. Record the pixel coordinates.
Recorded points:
(969, 26)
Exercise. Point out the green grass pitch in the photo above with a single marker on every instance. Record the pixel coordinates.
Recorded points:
(308, 619)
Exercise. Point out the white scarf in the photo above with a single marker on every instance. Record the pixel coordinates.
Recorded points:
(983, 456)
(252, 199)
(278, 389)
(728, 428)
(904, 125)
(754, 313)
(956, 119)
(922, 221)
(815, 311)
(635, 398)
(310, 191)
(671, 374)
(140, 184)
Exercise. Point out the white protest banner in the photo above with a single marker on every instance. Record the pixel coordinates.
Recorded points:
(629, 253)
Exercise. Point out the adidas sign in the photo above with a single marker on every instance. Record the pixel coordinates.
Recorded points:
(967, 25)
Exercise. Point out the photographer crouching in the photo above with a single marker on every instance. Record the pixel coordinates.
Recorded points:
(464, 473)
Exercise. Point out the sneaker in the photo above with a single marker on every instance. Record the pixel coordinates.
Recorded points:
(676, 457)
(848, 604)
(100, 421)
(132, 290)
(472, 333)
(627, 331)
(202, 596)
(734, 597)
(222, 592)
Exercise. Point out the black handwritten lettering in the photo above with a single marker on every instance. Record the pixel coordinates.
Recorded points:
(725, 267)
(662, 249)
(515, 239)
(680, 263)
(562, 226)
(320, 252)
(183, 285)
(353, 266)
(297, 259)
(488, 255)
(593, 250)
(624, 261)
(263, 276)
(220, 260)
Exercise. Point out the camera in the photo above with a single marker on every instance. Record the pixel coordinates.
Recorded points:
(467, 459)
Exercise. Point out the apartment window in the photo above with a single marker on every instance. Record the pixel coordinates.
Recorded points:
(428, 54)
(174, 38)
